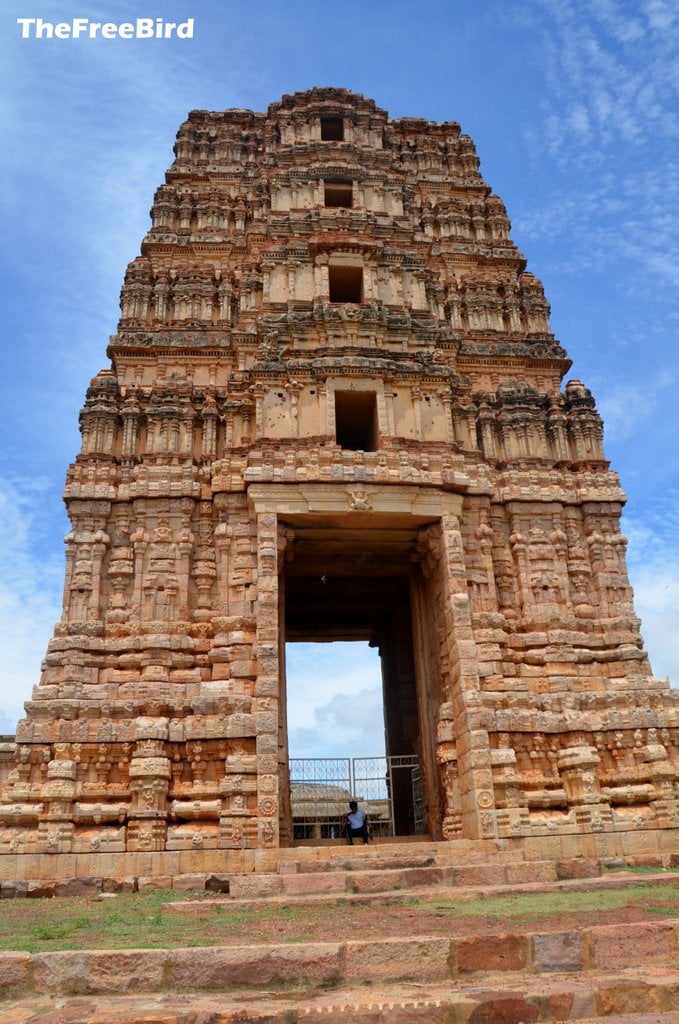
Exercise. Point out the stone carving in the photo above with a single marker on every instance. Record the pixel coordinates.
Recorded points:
(377, 381)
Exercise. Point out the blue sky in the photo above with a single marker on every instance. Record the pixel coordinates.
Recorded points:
(573, 108)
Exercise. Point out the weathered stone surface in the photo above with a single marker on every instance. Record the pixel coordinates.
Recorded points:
(12, 890)
(92, 971)
(77, 887)
(491, 953)
(243, 886)
(541, 871)
(221, 968)
(417, 959)
(578, 867)
(633, 944)
(189, 883)
(14, 973)
(37, 889)
(632, 998)
(558, 951)
(482, 874)
(119, 885)
(509, 1009)
(154, 882)
(310, 883)
(374, 881)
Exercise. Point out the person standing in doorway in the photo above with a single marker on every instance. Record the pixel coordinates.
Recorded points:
(356, 824)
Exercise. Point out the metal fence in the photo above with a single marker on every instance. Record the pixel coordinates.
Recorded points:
(389, 789)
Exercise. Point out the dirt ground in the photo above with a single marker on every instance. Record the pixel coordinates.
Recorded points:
(168, 920)
(376, 921)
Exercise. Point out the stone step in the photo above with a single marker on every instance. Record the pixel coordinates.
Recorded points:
(463, 850)
(313, 966)
(635, 997)
(350, 875)
(205, 907)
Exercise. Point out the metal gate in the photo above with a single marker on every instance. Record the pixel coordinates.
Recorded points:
(321, 787)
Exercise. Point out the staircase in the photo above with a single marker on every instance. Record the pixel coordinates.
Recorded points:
(619, 973)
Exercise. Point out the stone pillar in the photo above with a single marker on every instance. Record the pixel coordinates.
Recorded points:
(150, 775)
(58, 793)
(447, 402)
(472, 740)
(267, 685)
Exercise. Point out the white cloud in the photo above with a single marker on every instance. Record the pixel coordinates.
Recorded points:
(624, 407)
(335, 705)
(30, 594)
(653, 559)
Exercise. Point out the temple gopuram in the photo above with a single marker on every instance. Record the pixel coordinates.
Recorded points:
(335, 410)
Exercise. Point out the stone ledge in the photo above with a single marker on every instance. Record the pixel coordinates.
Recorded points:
(627, 998)
(314, 965)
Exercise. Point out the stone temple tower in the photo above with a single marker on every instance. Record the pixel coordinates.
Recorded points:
(334, 410)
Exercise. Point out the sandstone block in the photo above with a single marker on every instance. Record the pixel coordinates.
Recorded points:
(222, 968)
(39, 889)
(537, 871)
(309, 883)
(511, 1009)
(648, 860)
(558, 951)
(633, 999)
(417, 959)
(481, 874)
(189, 882)
(12, 890)
(128, 884)
(491, 953)
(94, 971)
(577, 867)
(625, 945)
(255, 885)
(374, 881)
(14, 973)
(146, 883)
(78, 887)
(416, 878)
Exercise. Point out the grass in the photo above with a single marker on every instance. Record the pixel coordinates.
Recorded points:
(127, 921)
(640, 869)
(533, 906)
(144, 921)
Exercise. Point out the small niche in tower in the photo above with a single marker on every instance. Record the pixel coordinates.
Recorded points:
(346, 284)
(332, 129)
(356, 420)
(339, 194)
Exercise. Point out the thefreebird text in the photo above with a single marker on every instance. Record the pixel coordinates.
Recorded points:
(83, 28)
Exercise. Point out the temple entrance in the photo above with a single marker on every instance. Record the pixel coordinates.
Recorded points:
(362, 585)
(321, 787)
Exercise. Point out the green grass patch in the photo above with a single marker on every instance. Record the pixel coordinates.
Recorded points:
(135, 921)
(143, 920)
(640, 869)
(530, 906)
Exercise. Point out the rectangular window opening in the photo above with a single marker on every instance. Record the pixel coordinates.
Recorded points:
(338, 194)
(356, 420)
(346, 284)
(332, 129)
